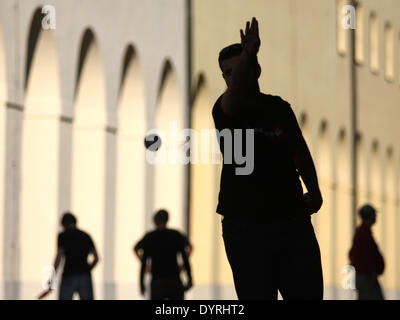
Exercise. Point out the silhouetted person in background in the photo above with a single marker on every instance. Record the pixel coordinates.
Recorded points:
(161, 247)
(366, 257)
(267, 231)
(75, 246)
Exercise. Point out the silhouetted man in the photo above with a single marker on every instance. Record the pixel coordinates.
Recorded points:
(267, 231)
(366, 257)
(161, 247)
(75, 246)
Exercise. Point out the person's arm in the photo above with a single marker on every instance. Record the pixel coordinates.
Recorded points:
(305, 166)
(141, 253)
(352, 251)
(377, 260)
(142, 273)
(183, 245)
(363, 254)
(138, 249)
(58, 259)
(188, 246)
(92, 252)
(95, 258)
(189, 249)
(236, 93)
(380, 263)
(51, 280)
(138, 252)
(186, 265)
(306, 169)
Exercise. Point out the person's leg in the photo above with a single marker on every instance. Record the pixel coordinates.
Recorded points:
(252, 268)
(157, 289)
(379, 293)
(174, 289)
(368, 287)
(363, 285)
(85, 287)
(170, 288)
(67, 288)
(300, 272)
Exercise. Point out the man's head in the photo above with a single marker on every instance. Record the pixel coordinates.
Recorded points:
(367, 214)
(227, 59)
(161, 218)
(68, 220)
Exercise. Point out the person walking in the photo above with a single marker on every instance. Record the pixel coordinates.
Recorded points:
(75, 247)
(160, 247)
(366, 257)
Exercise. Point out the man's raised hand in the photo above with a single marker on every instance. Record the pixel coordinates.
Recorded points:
(250, 38)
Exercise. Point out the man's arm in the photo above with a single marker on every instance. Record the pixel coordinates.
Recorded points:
(57, 260)
(188, 246)
(183, 249)
(142, 273)
(306, 168)
(138, 249)
(304, 163)
(187, 268)
(189, 249)
(236, 93)
(56, 264)
(95, 258)
(377, 259)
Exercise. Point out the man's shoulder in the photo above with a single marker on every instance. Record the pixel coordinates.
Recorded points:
(61, 237)
(161, 235)
(83, 235)
(217, 106)
(150, 234)
(218, 101)
(66, 236)
(81, 232)
(173, 231)
(267, 98)
(274, 99)
(177, 233)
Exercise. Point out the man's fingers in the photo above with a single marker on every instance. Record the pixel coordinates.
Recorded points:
(247, 27)
(253, 21)
(242, 35)
(254, 26)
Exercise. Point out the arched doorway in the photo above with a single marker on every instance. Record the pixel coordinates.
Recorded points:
(89, 150)
(169, 172)
(210, 266)
(39, 159)
(130, 195)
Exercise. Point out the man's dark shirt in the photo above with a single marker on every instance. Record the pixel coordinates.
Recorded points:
(162, 246)
(364, 254)
(273, 190)
(77, 246)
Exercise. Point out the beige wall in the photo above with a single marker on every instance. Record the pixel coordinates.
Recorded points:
(3, 92)
(130, 173)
